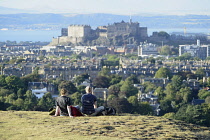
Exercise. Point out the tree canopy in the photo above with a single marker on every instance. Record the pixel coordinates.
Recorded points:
(163, 73)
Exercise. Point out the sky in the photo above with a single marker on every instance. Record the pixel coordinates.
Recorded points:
(124, 7)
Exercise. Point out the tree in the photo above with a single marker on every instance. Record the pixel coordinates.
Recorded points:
(145, 108)
(114, 90)
(11, 98)
(208, 58)
(114, 79)
(79, 79)
(133, 100)
(121, 105)
(68, 85)
(3, 81)
(133, 79)
(186, 94)
(170, 92)
(81, 89)
(19, 103)
(111, 97)
(160, 93)
(202, 94)
(165, 106)
(197, 59)
(5, 92)
(186, 74)
(149, 87)
(104, 72)
(33, 77)
(185, 56)
(196, 114)
(127, 89)
(76, 98)
(20, 93)
(207, 100)
(101, 82)
(183, 96)
(14, 83)
(165, 50)
(181, 113)
(30, 101)
(176, 82)
(46, 102)
(151, 60)
(200, 73)
(163, 34)
(163, 73)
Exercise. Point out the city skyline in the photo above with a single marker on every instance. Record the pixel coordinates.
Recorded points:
(124, 7)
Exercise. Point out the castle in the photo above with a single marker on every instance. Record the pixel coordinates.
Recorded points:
(128, 32)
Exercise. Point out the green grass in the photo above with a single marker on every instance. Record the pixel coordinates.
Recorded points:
(33, 125)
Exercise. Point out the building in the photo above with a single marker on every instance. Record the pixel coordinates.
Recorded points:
(122, 27)
(158, 82)
(101, 93)
(79, 31)
(198, 50)
(64, 32)
(198, 101)
(130, 31)
(193, 84)
(40, 88)
(146, 49)
(127, 28)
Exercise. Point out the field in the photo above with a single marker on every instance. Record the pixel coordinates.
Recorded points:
(33, 125)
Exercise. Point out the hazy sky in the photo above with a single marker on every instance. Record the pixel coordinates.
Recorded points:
(112, 6)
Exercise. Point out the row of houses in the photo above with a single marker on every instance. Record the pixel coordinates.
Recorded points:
(67, 69)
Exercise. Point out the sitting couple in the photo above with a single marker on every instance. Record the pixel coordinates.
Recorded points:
(89, 104)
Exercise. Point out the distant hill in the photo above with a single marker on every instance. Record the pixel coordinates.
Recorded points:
(35, 125)
(5, 10)
(57, 21)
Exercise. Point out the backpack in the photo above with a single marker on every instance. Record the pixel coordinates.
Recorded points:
(109, 111)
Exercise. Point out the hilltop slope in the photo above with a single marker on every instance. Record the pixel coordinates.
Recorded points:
(39, 125)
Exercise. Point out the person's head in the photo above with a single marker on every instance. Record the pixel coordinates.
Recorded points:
(63, 92)
(88, 89)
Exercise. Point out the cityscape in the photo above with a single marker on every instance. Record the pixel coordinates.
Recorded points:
(136, 72)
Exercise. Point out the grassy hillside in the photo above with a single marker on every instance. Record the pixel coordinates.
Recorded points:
(18, 125)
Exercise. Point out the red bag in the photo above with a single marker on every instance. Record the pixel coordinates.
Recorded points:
(75, 112)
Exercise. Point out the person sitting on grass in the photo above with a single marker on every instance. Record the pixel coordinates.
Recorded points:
(89, 103)
(63, 104)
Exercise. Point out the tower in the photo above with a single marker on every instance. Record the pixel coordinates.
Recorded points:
(185, 30)
(130, 20)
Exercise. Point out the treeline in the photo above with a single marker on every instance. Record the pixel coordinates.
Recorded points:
(14, 94)
(176, 98)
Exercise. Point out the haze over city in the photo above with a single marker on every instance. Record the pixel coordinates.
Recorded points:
(124, 7)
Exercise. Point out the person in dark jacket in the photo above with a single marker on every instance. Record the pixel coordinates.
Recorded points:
(63, 104)
(89, 103)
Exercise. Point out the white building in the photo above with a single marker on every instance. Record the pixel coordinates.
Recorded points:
(147, 49)
(198, 50)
